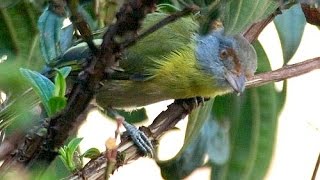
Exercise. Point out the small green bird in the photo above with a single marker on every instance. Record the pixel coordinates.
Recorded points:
(174, 63)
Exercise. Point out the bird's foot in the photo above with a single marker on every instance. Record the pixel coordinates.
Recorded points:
(138, 137)
(192, 103)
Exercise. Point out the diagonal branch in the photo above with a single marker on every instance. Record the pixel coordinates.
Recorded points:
(177, 111)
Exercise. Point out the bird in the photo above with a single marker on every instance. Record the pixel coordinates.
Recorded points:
(175, 62)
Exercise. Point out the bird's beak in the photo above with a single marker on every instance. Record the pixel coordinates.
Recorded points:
(237, 82)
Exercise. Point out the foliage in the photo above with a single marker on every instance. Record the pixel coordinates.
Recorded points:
(71, 158)
(237, 133)
(51, 95)
(291, 20)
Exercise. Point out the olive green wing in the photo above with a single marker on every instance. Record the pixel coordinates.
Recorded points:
(140, 57)
(157, 45)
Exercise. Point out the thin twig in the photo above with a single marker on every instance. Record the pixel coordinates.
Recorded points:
(171, 18)
(316, 167)
(81, 25)
(177, 111)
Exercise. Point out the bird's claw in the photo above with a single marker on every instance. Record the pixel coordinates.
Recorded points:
(192, 103)
(139, 138)
(199, 101)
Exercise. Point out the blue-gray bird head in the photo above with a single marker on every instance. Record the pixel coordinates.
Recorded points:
(231, 59)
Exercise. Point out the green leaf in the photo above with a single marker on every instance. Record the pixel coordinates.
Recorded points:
(269, 101)
(56, 104)
(49, 26)
(243, 139)
(68, 152)
(91, 153)
(290, 26)
(60, 81)
(238, 15)
(66, 38)
(60, 85)
(65, 71)
(72, 146)
(41, 84)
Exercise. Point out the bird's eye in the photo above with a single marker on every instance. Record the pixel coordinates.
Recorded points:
(223, 54)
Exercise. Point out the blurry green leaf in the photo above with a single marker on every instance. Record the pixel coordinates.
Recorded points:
(56, 104)
(192, 154)
(91, 153)
(268, 101)
(50, 25)
(195, 122)
(243, 139)
(210, 14)
(190, 159)
(290, 26)
(41, 84)
(14, 111)
(218, 141)
(8, 3)
(56, 170)
(10, 79)
(14, 40)
(238, 15)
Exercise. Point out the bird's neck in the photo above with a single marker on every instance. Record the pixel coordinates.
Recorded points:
(182, 77)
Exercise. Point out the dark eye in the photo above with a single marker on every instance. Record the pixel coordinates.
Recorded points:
(223, 54)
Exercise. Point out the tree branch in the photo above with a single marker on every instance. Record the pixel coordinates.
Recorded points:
(177, 111)
(41, 148)
(252, 33)
(285, 72)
